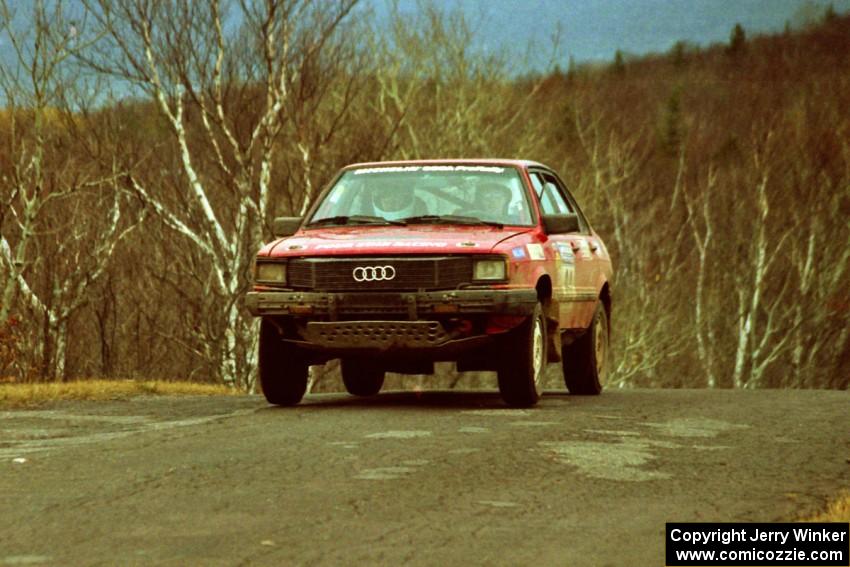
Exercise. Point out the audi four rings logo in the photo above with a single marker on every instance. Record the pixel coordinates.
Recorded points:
(373, 273)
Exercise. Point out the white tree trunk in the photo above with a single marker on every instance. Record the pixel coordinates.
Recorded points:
(60, 351)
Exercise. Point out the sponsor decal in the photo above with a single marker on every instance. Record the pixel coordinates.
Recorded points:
(567, 275)
(467, 244)
(379, 244)
(398, 169)
(565, 251)
(518, 253)
(296, 247)
(361, 237)
(413, 168)
(535, 251)
(470, 168)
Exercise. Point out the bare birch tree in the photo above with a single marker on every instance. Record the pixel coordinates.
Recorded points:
(439, 93)
(223, 77)
(763, 306)
(647, 270)
(53, 247)
(819, 264)
(701, 224)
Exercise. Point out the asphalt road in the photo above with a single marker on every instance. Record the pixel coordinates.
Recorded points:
(404, 478)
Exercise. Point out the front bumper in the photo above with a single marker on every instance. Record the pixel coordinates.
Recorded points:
(424, 323)
(412, 306)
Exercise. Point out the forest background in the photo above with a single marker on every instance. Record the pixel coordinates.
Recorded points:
(146, 146)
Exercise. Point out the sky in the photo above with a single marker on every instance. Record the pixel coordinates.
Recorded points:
(593, 30)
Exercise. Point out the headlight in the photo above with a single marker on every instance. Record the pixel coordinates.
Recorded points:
(271, 272)
(489, 270)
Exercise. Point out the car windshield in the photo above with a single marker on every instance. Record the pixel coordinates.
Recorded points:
(426, 194)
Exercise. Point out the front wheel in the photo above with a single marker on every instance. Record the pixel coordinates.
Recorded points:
(283, 368)
(585, 361)
(362, 377)
(523, 361)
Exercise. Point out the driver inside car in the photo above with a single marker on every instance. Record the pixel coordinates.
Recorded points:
(493, 199)
(393, 202)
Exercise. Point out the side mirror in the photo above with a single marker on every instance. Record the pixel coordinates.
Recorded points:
(560, 224)
(285, 226)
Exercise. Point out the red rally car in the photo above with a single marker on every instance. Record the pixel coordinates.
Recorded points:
(487, 263)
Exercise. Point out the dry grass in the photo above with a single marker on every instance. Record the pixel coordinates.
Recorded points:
(837, 511)
(28, 395)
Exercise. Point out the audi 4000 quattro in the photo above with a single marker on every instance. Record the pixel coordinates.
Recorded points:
(487, 263)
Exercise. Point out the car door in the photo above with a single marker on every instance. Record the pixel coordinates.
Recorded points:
(574, 270)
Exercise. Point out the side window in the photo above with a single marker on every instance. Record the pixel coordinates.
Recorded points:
(556, 201)
(552, 201)
(537, 182)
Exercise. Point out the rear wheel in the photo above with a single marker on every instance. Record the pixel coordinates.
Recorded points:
(585, 361)
(283, 368)
(361, 377)
(523, 361)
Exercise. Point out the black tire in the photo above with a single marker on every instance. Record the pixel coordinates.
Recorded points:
(283, 368)
(585, 361)
(361, 377)
(523, 362)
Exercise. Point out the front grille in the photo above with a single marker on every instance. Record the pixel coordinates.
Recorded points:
(422, 273)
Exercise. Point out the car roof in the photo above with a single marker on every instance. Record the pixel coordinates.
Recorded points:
(518, 163)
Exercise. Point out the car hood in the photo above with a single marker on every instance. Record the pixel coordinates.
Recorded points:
(430, 239)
